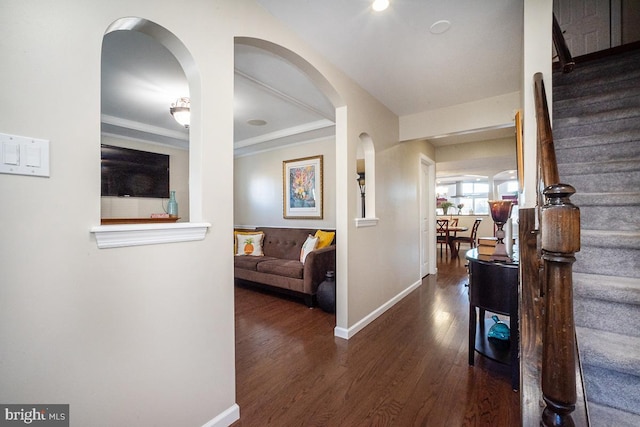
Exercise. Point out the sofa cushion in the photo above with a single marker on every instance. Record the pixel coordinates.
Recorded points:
(282, 267)
(325, 238)
(284, 243)
(249, 262)
(309, 245)
(248, 243)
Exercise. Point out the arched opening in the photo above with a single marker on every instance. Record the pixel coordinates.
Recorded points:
(260, 151)
(146, 68)
(366, 170)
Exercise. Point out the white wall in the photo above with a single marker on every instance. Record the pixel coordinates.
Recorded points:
(258, 186)
(143, 207)
(537, 58)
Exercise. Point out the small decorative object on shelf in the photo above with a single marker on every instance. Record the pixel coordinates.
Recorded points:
(500, 212)
(500, 330)
(172, 206)
(326, 293)
(460, 206)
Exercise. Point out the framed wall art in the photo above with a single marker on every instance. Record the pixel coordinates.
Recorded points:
(302, 188)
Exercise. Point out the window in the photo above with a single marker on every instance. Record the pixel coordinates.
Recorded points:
(473, 199)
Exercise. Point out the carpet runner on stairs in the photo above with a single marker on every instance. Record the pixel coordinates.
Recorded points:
(596, 129)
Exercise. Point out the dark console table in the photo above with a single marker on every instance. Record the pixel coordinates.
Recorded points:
(493, 287)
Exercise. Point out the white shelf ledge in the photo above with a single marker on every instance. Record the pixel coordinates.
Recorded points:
(366, 222)
(122, 235)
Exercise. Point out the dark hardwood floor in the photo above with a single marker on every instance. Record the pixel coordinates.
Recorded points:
(407, 368)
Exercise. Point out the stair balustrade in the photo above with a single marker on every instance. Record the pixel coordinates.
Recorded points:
(548, 293)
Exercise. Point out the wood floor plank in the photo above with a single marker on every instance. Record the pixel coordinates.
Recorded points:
(408, 368)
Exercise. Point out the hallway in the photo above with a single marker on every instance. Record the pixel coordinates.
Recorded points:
(408, 368)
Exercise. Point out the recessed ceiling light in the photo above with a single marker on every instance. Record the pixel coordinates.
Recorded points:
(257, 122)
(380, 5)
(440, 27)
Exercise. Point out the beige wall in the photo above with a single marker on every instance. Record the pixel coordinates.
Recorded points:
(143, 207)
(497, 148)
(258, 186)
(145, 335)
(127, 336)
(384, 259)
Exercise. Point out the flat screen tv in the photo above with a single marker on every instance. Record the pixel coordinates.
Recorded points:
(134, 173)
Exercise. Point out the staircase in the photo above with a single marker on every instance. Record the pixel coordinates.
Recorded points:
(596, 130)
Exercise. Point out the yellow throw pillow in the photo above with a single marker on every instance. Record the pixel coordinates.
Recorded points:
(248, 243)
(324, 238)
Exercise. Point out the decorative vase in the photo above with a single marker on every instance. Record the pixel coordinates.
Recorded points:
(500, 330)
(326, 293)
(500, 212)
(172, 206)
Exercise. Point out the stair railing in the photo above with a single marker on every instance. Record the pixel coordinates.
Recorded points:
(564, 55)
(559, 232)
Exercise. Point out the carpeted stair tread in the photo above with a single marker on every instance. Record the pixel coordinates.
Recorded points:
(594, 85)
(601, 167)
(615, 100)
(606, 199)
(617, 211)
(625, 290)
(608, 350)
(599, 129)
(607, 261)
(606, 416)
(602, 70)
(611, 239)
(609, 253)
(602, 118)
(631, 135)
(605, 316)
(622, 181)
(596, 130)
(604, 152)
(612, 388)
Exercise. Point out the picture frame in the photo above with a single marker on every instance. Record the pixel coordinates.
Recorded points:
(302, 188)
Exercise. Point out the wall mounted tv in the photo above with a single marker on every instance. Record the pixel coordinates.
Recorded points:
(134, 173)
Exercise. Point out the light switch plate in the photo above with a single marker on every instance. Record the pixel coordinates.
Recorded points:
(21, 155)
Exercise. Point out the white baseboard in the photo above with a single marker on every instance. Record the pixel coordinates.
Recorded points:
(226, 418)
(350, 332)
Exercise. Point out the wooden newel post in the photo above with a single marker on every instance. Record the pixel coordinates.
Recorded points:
(560, 240)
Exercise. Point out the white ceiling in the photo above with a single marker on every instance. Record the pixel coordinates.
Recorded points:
(392, 54)
(396, 58)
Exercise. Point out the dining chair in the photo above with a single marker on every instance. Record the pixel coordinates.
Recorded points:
(453, 222)
(470, 239)
(442, 234)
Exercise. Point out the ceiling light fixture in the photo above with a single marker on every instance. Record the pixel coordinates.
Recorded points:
(181, 111)
(380, 5)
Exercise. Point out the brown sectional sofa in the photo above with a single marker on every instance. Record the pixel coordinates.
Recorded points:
(280, 267)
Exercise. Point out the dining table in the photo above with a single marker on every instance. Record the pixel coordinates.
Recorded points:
(452, 244)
